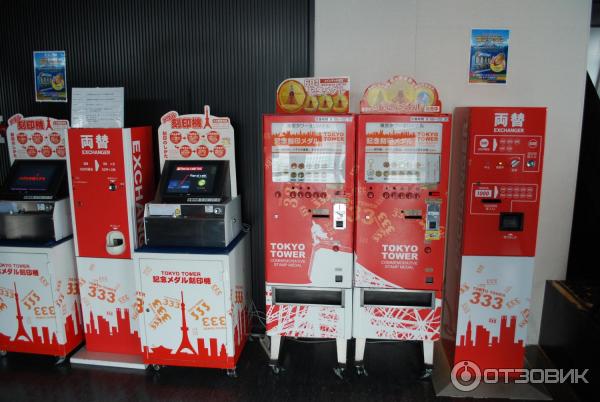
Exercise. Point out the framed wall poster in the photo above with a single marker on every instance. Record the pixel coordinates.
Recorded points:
(489, 56)
(50, 69)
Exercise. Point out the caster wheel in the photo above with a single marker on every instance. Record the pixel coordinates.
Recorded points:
(426, 373)
(361, 370)
(3, 353)
(232, 373)
(340, 371)
(275, 368)
(156, 367)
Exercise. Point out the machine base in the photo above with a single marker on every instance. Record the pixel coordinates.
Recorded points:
(444, 387)
(86, 358)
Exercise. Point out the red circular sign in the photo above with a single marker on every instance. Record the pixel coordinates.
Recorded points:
(22, 138)
(55, 138)
(46, 151)
(37, 138)
(185, 151)
(193, 137)
(213, 137)
(61, 151)
(202, 151)
(219, 151)
(31, 151)
(175, 137)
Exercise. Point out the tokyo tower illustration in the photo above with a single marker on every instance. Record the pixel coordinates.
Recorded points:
(185, 341)
(49, 126)
(21, 332)
(207, 117)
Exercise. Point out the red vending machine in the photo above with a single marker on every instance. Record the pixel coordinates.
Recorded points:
(495, 187)
(402, 188)
(39, 298)
(309, 209)
(111, 174)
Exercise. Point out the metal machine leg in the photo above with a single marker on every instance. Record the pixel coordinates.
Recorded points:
(427, 359)
(274, 354)
(359, 354)
(341, 345)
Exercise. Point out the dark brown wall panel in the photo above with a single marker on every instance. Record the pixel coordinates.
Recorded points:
(169, 55)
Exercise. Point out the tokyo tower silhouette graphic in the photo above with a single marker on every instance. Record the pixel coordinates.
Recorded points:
(207, 117)
(185, 341)
(21, 332)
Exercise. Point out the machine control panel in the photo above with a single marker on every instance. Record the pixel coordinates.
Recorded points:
(504, 172)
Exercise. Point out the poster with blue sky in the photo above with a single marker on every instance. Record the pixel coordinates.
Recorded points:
(50, 69)
(489, 56)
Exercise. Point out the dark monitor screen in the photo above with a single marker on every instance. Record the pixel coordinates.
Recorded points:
(192, 179)
(36, 179)
(33, 177)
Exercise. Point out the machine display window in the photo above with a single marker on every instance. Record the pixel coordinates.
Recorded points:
(308, 152)
(402, 168)
(511, 221)
(198, 179)
(402, 152)
(34, 178)
(184, 179)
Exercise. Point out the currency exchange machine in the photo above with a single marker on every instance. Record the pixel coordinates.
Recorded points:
(495, 186)
(402, 190)
(309, 209)
(39, 294)
(111, 176)
(193, 274)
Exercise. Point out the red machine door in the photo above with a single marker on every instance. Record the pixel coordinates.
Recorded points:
(98, 169)
(402, 188)
(309, 199)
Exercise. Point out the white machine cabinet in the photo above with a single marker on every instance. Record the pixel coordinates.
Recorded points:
(196, 304)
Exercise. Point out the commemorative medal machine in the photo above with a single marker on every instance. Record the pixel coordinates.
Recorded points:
(309, 209)
(111, 174)
(193, 274)
(402, 189)
(39, 299)
(495, 187)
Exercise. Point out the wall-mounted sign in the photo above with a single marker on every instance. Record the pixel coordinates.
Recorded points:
(489, 56)
(50, 69)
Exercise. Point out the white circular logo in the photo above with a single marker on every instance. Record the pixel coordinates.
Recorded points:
(484, 143)
(465, 376)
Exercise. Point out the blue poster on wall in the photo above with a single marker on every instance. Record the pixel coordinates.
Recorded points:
(50, 69)
(489, 56)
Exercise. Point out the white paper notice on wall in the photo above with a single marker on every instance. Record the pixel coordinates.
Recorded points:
(98, 108)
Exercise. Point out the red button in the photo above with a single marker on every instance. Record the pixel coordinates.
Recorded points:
(370, 194)
(292, 194)
(308, 194)
(277, 194)
(324, 195)
(409, 195)
(401, 196)
(300, 194)
(394, 196)
(316, 195)
(386, 195)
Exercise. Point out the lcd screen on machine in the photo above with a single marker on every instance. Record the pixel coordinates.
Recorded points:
(33, 177)
(192, 179)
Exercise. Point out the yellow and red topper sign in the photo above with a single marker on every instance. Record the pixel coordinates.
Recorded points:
(314, 95)
(400, 95)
